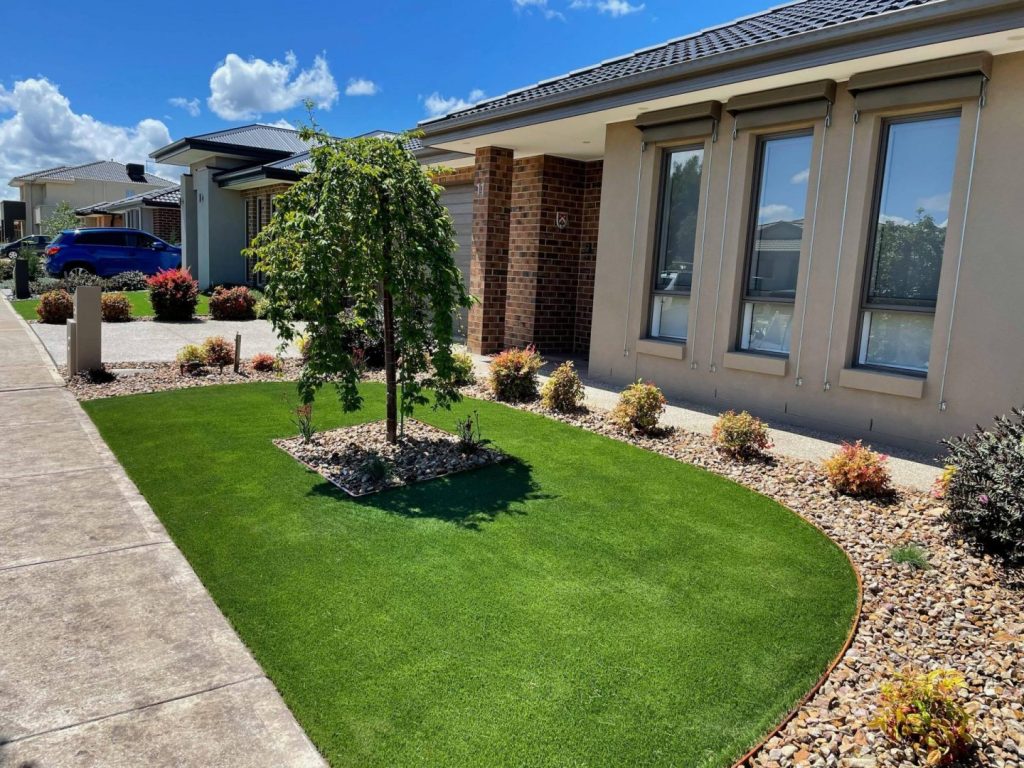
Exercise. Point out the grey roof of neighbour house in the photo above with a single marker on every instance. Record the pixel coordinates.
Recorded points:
(270, 137)
(100, 170)
(775, 24)
(168, 197)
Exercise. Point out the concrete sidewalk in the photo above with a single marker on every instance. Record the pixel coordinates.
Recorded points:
(908, 469)
(113, 653)
(145, 341)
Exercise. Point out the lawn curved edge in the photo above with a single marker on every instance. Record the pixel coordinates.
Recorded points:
(854, 625)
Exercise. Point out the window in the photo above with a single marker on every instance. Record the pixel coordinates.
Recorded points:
(773, 254)
(101, 238)
(910, 218)
(677, 240)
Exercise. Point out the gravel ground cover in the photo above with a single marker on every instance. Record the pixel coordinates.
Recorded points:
(359, 459)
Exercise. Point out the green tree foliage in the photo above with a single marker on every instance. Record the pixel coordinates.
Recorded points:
(908, 260)
(63, 217)
(364, 239)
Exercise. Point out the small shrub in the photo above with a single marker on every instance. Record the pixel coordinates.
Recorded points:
(640, 406)
(302, 345)
(304, 422)
(914, 556)
(127, 281)
(115, 308)
(376, 468)
(56, 307)
(260, 305)
(563, 391)
(365, 338)
(174, 294)
(856, 470)
(6, 269)
(191, 358)
(740, 435)
(70, 283)
(232, 304)
(514, 374)
(468, 431)
(41, 285)
(462, 365)
(985, 496)
(264, 362)
(218, 351)
(941, 485)
(921, 710)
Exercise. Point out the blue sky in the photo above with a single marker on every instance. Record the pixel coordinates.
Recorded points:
(118, 82)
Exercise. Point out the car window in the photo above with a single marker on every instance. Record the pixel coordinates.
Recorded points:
(142, 240)
(102, 238)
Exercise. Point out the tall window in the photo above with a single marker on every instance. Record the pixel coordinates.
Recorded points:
(677, 238)
(910, 219)
(773, 254)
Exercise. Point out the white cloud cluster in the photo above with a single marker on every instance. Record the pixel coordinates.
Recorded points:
(39, 129)
(189, 105)
(360, 86)
(541, 6)
(243, 90)
(614, 8)
(438, 105)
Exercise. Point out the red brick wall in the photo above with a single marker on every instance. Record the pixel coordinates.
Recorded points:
(489, 262)
(591, 213)
(167, 224)
(258, 210)
(455, 177)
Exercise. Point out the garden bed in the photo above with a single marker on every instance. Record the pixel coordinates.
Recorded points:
(360, 461)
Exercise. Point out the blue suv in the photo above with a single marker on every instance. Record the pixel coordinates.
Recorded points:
(107, 251)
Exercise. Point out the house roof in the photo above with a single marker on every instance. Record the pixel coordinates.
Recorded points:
(784, 21)
(168, 197)
(100, 170)
(260, 142)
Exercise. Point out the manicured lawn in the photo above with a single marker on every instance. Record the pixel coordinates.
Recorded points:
(586, 604)
(139, 301)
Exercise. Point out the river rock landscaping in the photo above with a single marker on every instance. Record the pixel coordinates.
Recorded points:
(359, 460)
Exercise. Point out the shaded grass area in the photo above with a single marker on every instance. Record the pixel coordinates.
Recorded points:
(139, 300)
(587, 603)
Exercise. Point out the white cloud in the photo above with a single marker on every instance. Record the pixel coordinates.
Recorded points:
(438, 105)
(775, 212)
(39, 129)
(541, 6)
(282, 123)
(189, 105)
(934, 203)
(800, 178)
(614, 8)
(358, 86)
(886, 218)
(243, 90)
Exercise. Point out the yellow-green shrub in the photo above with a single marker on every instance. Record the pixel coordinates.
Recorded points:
(640, 406)
(740, 435)
(55, 307)
(514, 374)
(563, 391)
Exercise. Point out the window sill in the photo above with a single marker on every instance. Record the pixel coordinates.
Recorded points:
(671, 350)
(765, 364)
(883, 383)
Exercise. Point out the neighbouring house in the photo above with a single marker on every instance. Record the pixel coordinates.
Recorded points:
(157, 212)
(812, 213)
(227, 195)
(80, 186)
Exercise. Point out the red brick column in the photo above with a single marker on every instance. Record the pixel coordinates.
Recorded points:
(488, 270)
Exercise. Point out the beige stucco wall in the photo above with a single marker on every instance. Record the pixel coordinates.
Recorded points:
(985, 365)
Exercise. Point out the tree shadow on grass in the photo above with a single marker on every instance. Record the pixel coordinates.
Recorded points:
(468, 499)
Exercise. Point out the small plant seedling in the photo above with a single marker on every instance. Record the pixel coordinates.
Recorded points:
(913, 555)
(468, 431)
(304, 421)
(377, 469)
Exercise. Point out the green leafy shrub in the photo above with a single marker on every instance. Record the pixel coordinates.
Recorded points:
(914, 556)
(218, 351)
(563, 391)
(921, 710)
(264, 362)
(856, 470)
(232, 303)
(71, 283)
(173, 294)
(260, 305)
(127, 281)
(115, 308)
(639, 408)
(985, 495)
(462, 364)
(364, 337)
(191, 358)
(6, 269)
(513, 374)
(740, 435)
(302, 345)
(55, 307)
(41, 285)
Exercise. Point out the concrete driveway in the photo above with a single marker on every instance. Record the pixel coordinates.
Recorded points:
(142, 341)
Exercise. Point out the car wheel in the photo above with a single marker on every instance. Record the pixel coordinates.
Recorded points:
(78, 270)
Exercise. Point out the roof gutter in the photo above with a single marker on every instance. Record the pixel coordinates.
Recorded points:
(235, 150)
(923, 25)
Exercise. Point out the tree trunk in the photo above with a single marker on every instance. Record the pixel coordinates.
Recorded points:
(390, 375)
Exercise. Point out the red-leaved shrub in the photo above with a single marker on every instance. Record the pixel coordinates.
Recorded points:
(856, 470)
(514, 374)
(55, 307)
(232, 304)
(639, 408)
(173, 294)
(115, 308)
(263, 362)
(219, 352)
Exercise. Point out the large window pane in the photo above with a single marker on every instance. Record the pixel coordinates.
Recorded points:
(678, 236)
(670, 317)
(897, 340)
(913, 211)
(779, 216)
(767, 327)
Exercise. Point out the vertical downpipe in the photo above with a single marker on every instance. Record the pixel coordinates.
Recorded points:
(721, 254)
(632, 260)
(691, 332)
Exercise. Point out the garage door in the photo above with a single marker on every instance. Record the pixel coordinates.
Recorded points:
(459, 202)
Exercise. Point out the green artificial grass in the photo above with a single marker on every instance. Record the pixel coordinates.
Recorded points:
(586, 604)
(138, 299)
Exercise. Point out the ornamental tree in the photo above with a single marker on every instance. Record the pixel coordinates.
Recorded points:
(363, 241)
